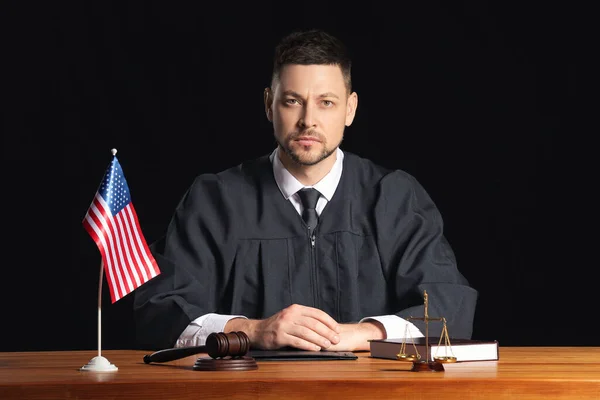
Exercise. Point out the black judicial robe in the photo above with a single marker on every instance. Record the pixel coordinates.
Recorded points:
(236, 246)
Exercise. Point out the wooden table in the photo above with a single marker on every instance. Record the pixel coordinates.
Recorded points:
(522, 373)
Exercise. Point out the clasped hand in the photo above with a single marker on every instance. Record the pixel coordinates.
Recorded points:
(306, 328)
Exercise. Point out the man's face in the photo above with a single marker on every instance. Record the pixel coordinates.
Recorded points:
(309, 107)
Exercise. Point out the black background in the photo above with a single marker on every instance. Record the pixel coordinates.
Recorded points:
(481, 101)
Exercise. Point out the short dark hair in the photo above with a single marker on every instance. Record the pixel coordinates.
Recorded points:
(312, 47)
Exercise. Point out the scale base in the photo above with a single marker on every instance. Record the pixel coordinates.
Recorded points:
(424, 366)
(99, 364)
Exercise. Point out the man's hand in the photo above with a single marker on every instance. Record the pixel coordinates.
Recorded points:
(305, 328)
(355, 337)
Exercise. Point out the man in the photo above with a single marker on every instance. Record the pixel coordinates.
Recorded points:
(238, 255)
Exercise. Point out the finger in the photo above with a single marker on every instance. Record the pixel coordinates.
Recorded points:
(322, 317)
(320, 329)
(304, 328)
(310, 324)
(304, 339)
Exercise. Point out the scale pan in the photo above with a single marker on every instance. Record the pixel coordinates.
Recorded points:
(406, 357)
(445, 359)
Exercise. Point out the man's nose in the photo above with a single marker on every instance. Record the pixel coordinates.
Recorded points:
(307, 119)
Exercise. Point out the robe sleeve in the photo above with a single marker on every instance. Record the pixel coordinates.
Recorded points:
(418, 258)
(191, 257)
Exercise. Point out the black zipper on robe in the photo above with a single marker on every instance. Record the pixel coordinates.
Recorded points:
(313, 266)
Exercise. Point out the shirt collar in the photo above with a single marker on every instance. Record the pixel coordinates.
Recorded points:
(288, 184)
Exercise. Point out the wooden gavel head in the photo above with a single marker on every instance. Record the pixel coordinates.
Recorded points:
(233, 344)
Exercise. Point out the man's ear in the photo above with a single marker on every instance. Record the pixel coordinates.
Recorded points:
(268, 99)
(351, 106)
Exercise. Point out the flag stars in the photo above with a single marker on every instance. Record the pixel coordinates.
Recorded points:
(114, 188)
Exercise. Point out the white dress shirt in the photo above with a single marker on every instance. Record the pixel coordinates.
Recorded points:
(198, 330)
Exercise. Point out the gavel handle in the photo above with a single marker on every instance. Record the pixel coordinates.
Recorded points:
(173, 354)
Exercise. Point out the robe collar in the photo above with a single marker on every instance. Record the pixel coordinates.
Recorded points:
(289, 185)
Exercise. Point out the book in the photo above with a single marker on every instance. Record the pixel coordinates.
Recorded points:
(462, 349)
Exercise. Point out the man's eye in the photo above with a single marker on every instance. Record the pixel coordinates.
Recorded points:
(291, 101)
(327, 103)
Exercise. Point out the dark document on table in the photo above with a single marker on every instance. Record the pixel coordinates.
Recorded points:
(299, 355)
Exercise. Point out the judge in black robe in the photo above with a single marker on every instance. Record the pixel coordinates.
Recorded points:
(236, 246)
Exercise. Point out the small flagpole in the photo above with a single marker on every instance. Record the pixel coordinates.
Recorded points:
(100, 309)
(99, 363)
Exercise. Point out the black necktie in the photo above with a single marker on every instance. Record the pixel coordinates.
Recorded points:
(309, 197)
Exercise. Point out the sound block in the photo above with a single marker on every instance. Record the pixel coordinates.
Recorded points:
(225, 364)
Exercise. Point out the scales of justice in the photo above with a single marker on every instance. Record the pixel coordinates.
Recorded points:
(435, 363)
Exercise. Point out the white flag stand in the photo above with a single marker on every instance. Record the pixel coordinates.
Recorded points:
(99, 363)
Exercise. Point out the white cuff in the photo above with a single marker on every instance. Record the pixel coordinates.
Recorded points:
(197, 331)
(396, 327)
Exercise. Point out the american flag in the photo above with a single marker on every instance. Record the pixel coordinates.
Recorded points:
(112, 222)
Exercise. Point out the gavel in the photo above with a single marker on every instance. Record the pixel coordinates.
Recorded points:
(226, 350)
(218, 345)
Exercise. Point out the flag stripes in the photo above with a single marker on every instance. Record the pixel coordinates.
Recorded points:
(127, 259)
